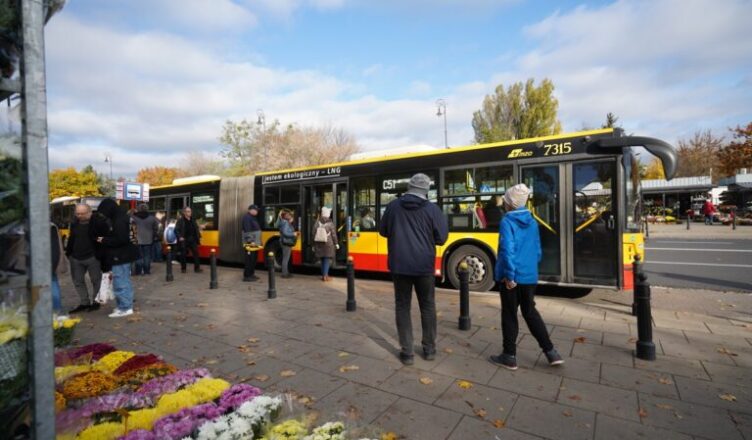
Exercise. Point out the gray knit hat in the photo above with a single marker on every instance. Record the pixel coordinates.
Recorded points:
(517, 195)
(419, 185)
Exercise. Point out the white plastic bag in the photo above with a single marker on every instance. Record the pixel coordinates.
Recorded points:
(105, 289)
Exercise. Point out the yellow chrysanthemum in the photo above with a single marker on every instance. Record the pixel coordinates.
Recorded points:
(63, 373)
(103, 431)
(112, 361)
(142, 419)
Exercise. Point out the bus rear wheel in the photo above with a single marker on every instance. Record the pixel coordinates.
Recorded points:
(481, 268)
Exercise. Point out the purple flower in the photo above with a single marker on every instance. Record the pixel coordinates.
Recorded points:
(171, 383)
(182, 423)
(139, 434)
(70, 419)
(237, 395)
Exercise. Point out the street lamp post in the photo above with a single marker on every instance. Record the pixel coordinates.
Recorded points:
(261, 121)
(441, 111)
(108, 159)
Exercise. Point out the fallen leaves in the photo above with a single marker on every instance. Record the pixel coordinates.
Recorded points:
(567, 413)
(253, 340)
(425, 380)
(580, 339)
(244, 349)
(343, 354)
(498, 423)
(728, 397)
(724, 350)
(665, 381)
(480, 413)
(287, 373)
(574, 397)
(448, 350)
(250, 363)
(202, 305)
(261, 377)
(346, 368)
(642, 412)
(465, 385)
(388, 436)
(665, 406)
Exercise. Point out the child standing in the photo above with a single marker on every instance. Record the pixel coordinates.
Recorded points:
(517, 274)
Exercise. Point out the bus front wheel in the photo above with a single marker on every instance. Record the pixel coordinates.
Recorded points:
(479, 263)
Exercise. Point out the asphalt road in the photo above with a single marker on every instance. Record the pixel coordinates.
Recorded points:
(702, 264)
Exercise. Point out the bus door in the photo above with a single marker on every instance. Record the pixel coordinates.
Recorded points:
(545, 205)
(175, 204)
(595, 240)
(333, 196)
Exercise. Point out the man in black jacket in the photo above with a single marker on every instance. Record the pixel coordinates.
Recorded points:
(414, 227)
(82, 250)
(251, 235)
(189, 238)
(119, 253)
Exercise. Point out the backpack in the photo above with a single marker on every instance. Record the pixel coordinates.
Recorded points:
(321, 234)
(170, 234)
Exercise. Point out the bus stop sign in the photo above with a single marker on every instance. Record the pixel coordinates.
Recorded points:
(138, 192)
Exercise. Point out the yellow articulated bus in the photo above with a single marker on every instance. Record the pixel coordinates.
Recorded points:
(63, 209)
(585, 196)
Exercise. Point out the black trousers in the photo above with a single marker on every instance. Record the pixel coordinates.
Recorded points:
(192, 247)
(521, 296)
(249, 268)
(403, 294)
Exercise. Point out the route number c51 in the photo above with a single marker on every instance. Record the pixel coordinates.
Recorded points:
(557, 149)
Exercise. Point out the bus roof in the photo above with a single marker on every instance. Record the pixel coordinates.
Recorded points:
(191, 180)
(442, 151)
(63, 199)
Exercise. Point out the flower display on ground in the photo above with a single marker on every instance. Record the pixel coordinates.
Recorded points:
(105, 394)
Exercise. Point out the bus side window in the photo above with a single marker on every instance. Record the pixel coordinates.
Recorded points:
(364, 204)
(472, 196)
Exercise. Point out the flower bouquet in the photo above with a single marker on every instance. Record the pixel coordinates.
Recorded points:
(63, 328)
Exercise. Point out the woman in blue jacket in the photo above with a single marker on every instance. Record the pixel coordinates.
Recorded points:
(517, 274)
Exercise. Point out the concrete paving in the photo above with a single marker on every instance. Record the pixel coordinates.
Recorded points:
(343, 365)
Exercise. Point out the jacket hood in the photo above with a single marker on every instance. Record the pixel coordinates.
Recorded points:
(142, 215)
(108, 208)
(411, 202)
(521, 217)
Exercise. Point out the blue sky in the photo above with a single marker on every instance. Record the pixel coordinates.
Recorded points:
(149, 81)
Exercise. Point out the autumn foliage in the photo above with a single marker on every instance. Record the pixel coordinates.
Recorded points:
(738, 153)
(69, 182)
(158, 175)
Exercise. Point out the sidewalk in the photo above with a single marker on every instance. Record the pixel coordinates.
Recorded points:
(343, 364)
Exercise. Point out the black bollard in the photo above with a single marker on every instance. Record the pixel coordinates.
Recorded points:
(272, 293)
(645, 348)
(733, 221)
(647, 229)
(213, 269)
(351, 305)
(688, 218)
(168, 267)
(464, 322)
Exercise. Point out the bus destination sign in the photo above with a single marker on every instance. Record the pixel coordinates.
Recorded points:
(301, 175)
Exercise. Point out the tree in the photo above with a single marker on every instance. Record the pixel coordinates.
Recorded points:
(699, 155)
(197, 163)
(520, 111)
(106, 185)
(250, 148)
(611, 120)
(654, 170)
(158, 175)
(69, 182)
(738, 153)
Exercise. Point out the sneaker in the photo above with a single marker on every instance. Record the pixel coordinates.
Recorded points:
(429, 355)
(121, 313)
(198, 270)
(554, 358)
(504, 360)
(94, 307)
(249, 279)
(79, 309)
(406, 359)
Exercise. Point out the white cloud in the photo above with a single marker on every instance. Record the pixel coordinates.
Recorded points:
(198, 15)
(149, 97)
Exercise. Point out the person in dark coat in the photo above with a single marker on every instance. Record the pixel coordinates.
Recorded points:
(414, 227)
(251, 236)
(119, 253)
(288, 236)
(189, 239)
(84, 254)
(147, 229)
(325, 244)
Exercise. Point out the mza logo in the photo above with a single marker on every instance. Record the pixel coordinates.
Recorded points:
(519, 152)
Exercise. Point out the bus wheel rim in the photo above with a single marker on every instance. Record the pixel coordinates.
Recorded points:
(477, 269)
